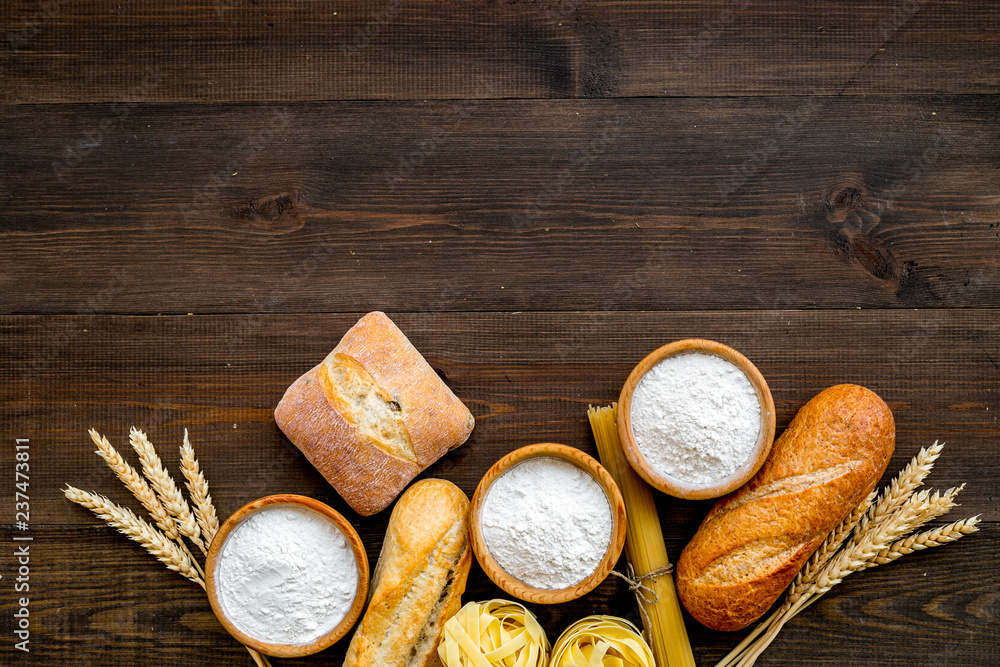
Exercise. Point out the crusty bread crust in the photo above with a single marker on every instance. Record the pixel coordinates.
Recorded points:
(419, 580)
(754, 541)
(333, 420)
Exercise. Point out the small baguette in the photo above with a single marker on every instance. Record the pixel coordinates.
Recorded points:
(419, 579)
(372, 415)
(754, 541)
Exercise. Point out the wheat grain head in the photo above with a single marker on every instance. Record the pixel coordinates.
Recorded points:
(926, 540)
(197, 486)
(135, 483)
(135, 528)
(166, 489)
(901, 488)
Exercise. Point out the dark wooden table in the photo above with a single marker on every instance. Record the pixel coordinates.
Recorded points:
(198, 199)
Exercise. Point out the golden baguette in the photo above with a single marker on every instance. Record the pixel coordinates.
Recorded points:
(419, 580)
(754, 541)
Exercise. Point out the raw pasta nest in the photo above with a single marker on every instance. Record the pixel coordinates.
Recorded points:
(495, 633)
(601, 641)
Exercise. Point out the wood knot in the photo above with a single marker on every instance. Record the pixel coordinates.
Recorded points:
(843, 203)
(277, 213)
(853, 224)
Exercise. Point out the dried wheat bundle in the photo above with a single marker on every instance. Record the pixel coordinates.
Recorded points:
(877, 532)
(172, 515)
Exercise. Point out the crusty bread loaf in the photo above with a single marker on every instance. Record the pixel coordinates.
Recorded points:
(419, 579)
(754, 541)
(372, 415)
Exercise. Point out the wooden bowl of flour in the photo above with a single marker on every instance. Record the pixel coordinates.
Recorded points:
(675, 485)
(512, 584)
(330, 633)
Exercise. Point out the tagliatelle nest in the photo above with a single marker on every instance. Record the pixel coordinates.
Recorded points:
(601, 641)
(495, 633)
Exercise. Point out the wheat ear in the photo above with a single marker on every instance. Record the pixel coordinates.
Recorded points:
(135, 483)
(163, 484)
(865, 544)
(197, 488)
(127, 523)
(901, 488)
(926, 540)
(868, 543)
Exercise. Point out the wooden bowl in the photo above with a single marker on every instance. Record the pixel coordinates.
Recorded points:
(672, 485)
(511, 584)
(360, 558)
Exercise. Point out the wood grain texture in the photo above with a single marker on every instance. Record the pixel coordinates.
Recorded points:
(539, 193)
(118, 607)
(643, 204)
(528, 378)
(237, 50)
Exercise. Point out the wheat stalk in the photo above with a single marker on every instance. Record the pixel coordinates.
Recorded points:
(901, 488)
(876, 533)
(154, 541)
(863, 548)
(135, 483)
(165, 488)
(925, 540)
(197, 486)
(807, 575)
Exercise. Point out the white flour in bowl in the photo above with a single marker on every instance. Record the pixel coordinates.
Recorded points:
(286, 575)
(547, 522)
(695, 417)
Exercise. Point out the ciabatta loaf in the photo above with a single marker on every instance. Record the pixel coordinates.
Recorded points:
(372, 415)
(754, 541)
(419, 579)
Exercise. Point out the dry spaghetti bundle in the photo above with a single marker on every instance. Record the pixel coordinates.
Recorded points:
(644, 547)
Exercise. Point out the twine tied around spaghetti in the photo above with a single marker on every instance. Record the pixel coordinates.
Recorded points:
(642, 592)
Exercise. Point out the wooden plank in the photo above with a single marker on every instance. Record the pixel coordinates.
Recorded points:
(527, 377)
(643, 204)
(112, 604)
(231, 50)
